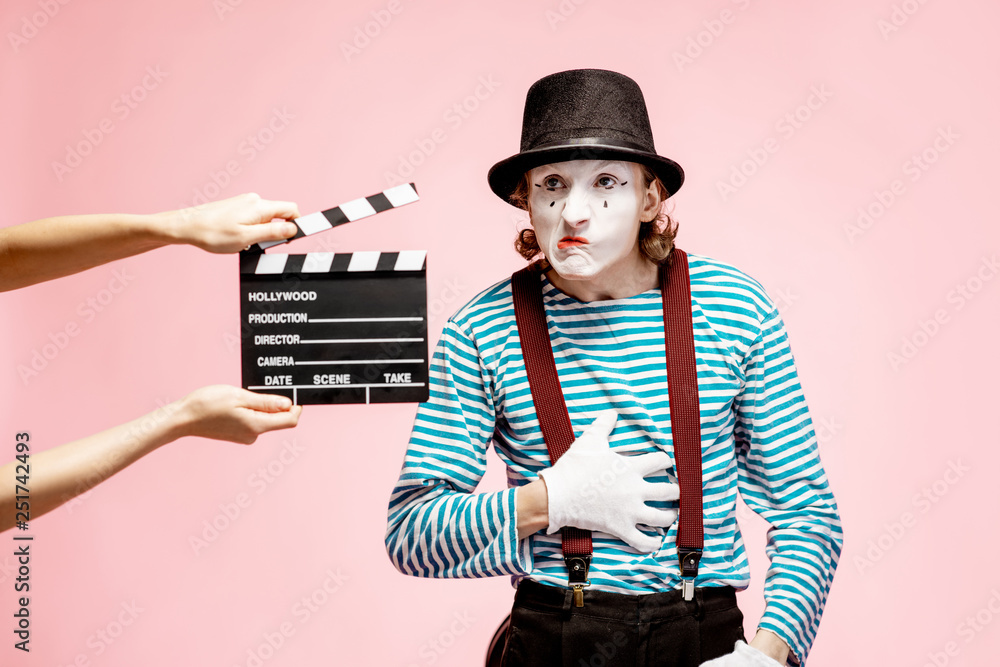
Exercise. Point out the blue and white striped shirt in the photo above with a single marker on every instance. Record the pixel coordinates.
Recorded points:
(756, 435)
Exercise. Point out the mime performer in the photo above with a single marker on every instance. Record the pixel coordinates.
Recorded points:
(595, 188)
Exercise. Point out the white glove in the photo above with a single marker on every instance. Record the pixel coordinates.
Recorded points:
(744, 656)
(593, 488)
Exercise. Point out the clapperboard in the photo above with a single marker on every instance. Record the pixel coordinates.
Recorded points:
(329, 327)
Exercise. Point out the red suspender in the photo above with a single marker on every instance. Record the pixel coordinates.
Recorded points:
(550, 406)
(685, 413)
(685, 421)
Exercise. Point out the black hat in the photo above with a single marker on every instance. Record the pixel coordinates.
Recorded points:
(583, 114)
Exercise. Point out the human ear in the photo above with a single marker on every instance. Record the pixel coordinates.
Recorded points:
(650, 203)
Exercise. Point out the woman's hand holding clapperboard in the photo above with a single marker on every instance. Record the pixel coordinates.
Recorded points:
(51, 248)
(55, 247)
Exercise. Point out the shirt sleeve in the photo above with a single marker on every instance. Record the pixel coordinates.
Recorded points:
(782, 479)
(437, 525)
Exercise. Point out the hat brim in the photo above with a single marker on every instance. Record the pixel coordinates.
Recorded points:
(505, 175)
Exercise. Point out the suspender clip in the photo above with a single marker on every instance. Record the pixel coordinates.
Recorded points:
(689, 570)
(687, 586)
(578, 567)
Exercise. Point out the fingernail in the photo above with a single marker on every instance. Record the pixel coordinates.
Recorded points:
(291, 229)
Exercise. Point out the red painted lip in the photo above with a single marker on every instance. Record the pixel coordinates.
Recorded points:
(571, 241)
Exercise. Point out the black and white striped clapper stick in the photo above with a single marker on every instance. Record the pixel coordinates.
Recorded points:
(328, 327)
(314, 223)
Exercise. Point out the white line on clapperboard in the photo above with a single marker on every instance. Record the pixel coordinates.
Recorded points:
(357, 361)
(367, 319)
(335, 320)
(361, 340)
(295, 388)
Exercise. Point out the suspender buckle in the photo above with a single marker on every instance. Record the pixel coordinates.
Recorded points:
(689, 561)
(579, 567)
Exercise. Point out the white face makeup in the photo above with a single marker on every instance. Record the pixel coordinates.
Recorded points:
(586, 216)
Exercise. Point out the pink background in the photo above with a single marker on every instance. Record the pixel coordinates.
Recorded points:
(914, 573)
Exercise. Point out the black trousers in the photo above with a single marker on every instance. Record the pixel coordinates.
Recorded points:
(547, 630)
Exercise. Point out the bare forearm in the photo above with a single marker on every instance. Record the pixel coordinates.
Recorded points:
(219, 412)
(771, 645)
(55, 247)
(532, 504)
(59, 474)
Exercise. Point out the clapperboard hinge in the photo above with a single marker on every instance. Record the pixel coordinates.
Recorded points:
(356, 209)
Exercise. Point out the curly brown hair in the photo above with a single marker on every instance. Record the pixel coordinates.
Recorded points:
(656, 236)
